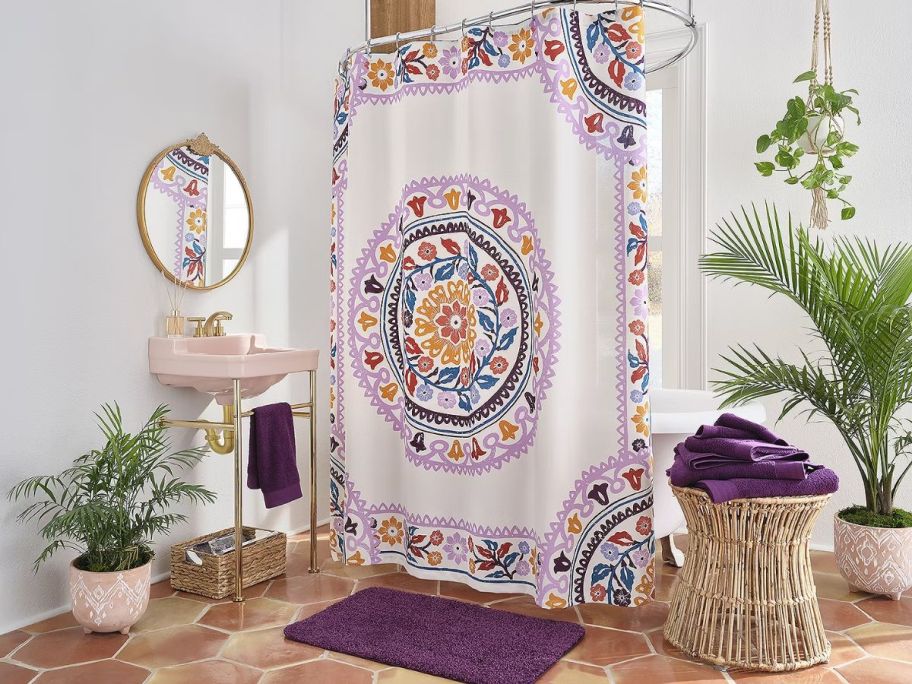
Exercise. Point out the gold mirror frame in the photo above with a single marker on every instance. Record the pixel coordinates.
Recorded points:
(203, 146)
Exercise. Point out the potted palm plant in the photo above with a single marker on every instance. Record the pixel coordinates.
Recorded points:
(859, 379)
(107, 507)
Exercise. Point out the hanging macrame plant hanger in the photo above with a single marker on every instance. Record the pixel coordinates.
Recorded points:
(819, 214)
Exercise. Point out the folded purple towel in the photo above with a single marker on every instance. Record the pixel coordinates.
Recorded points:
(726, 449)
(272, 463)
(682, 475)
(821, 481)
(730, 422)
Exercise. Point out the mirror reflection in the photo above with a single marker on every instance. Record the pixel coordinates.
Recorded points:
(195, 215)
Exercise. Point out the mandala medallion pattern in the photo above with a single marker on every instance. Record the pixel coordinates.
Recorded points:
(454, 324)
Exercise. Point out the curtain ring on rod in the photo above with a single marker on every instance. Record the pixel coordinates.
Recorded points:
(397, 41)
(462, 27)
(532, 10)
(433, 32)
(369, 47)
(491, 20)
(617, 11)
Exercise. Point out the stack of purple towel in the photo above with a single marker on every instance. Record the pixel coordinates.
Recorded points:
(739, 459)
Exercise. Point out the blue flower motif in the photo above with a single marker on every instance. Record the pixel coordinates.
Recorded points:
(610, 552)
(524, 547)
(636, 396)
(508, 318)
(462, 269)
(640, 557)
(633, 81)
(634, 208)
(503, 61)
(602, 53)
(424, 393)
(474, 394)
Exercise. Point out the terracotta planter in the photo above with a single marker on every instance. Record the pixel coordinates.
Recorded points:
(109, 601)
(877, 560)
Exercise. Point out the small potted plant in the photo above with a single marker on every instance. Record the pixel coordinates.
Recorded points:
(107, 507)
(857, 298)
(810, 146)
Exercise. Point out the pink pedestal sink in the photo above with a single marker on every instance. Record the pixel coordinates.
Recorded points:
(210, 364)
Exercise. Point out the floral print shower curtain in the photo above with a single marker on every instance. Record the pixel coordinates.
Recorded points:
(489, 360)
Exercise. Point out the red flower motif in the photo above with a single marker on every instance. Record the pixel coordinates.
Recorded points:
(464, 377)
(436, 538)
(489, 272)
(634, 50)
(433, 72)
(644, 525)
(427, 251)
(452, 321)
(498, 365)
(425, 364)
(637, 327)
(598, 593)
(636, 278)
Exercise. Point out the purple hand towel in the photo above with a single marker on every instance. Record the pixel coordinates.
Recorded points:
(682, 475)
(723, 448)
(736, 427)
(822, 481)
(272, 464)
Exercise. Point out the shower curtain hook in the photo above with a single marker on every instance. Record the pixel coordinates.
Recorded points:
(574, 5)
(491, 20)
(462, 27)
(397, 41)
(369, 47)
(617, 12)
(532, 10)
(433, 32)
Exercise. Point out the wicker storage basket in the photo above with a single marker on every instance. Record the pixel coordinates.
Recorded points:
(262, 560)
(746, 596)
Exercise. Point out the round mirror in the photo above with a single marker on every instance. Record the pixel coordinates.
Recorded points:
(195, 214)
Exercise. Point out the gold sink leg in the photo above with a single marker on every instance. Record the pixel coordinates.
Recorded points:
(238, 497)
(313, 472)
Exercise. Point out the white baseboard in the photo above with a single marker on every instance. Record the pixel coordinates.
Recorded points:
(54, 612)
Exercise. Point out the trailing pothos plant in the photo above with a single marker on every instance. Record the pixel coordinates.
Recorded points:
(810, 146)
(113, 500)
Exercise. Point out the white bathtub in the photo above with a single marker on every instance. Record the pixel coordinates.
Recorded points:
(675, 415)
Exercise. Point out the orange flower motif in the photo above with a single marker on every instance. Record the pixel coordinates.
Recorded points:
(636, 278)
(435, 557)
(197, 221)
(641, 419)
(637, 327)
(646, 585)
(522, 45)
(638, 184)
(390, 531)
(381, 74)
(429, 50)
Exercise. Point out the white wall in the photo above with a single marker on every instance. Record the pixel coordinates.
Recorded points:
(754, 50)
(92, 91)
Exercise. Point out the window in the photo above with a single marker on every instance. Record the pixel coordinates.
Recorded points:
(675, 211)
(664, 245)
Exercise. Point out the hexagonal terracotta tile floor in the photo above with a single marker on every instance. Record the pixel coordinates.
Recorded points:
(187, 638)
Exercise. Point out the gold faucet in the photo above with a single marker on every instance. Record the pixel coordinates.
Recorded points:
(213, 325)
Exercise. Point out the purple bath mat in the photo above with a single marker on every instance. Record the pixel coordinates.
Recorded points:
(439, 636)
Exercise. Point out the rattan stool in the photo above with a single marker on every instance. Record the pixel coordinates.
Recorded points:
(746, 596)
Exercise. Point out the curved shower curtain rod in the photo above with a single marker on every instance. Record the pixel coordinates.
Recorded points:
(685, 17)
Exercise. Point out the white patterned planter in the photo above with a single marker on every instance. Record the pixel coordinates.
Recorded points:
(109, 601)
(877, 560)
